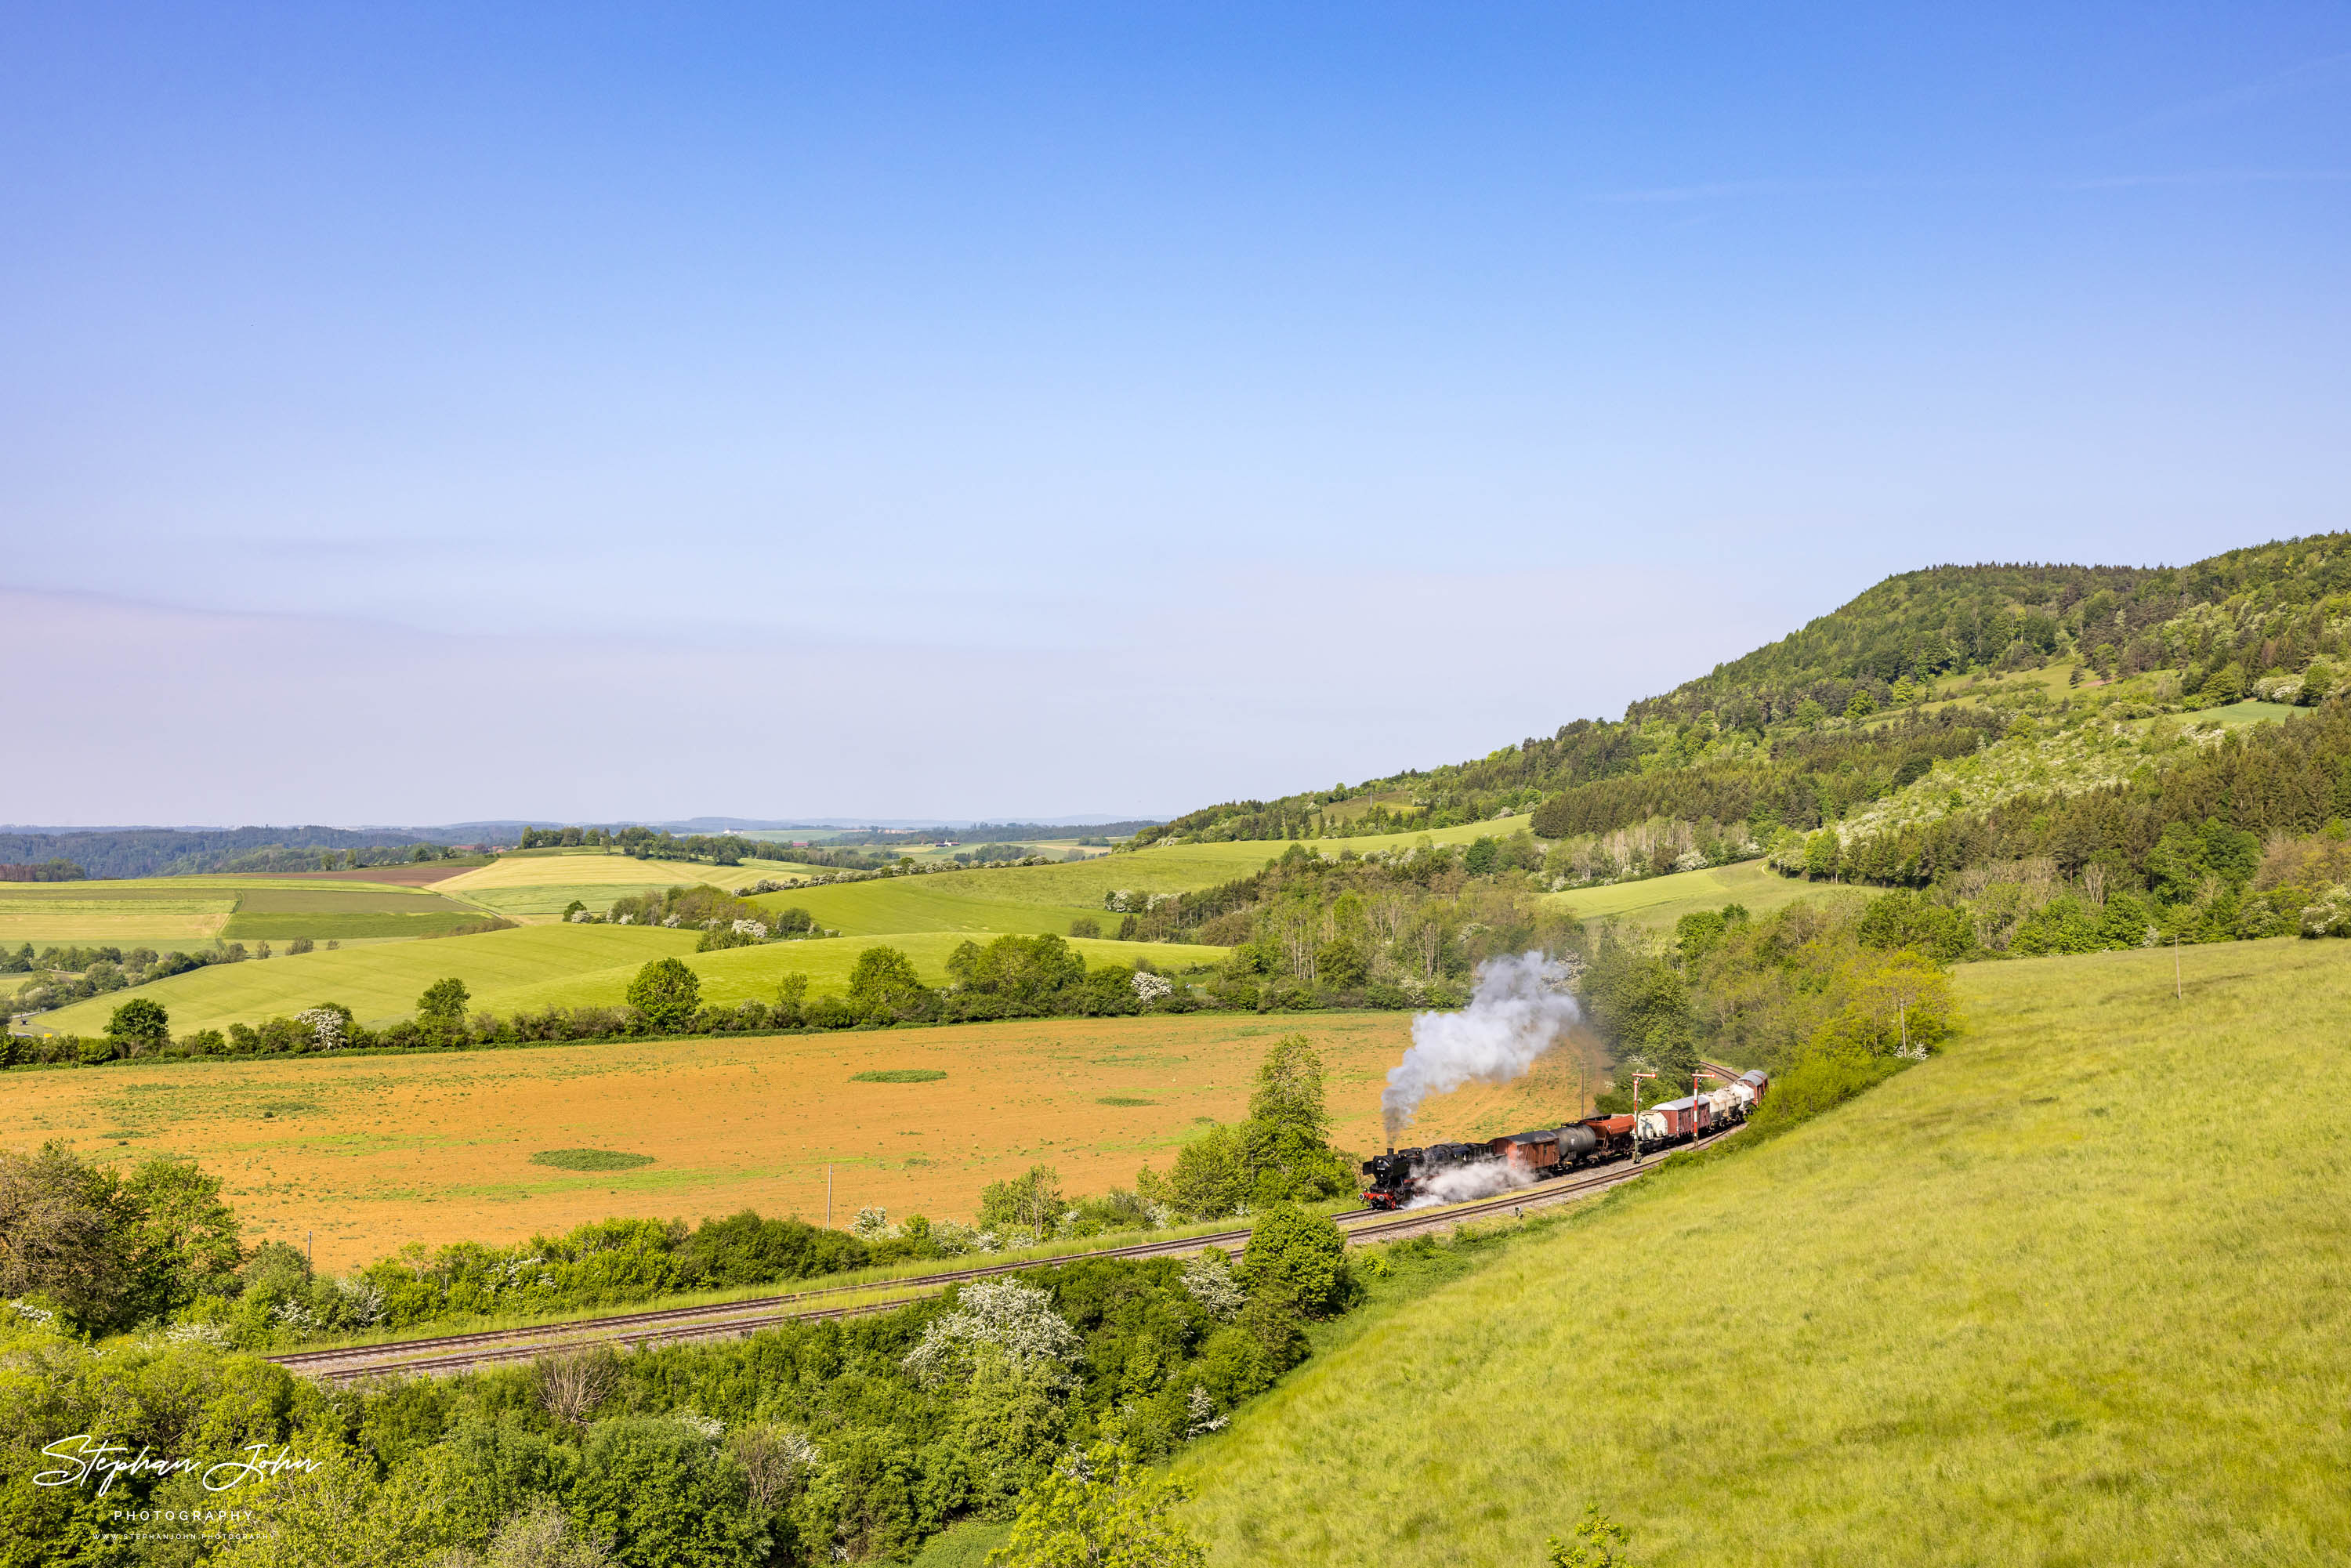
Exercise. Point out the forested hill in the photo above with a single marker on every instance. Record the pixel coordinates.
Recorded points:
(1796, 734)
(176, 852)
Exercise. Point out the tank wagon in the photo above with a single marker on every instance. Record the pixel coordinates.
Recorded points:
(1398, 1178)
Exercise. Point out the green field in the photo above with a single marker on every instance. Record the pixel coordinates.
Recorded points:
(2237, 714)
(590, 964)
(1658, 901)
(749, 974)
(381, 982)
(545, 881)
(246, 927)
(534, 967)
(2071, 1293)
(325, 910)
(190, 911)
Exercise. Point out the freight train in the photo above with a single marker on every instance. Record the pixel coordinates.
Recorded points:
(1395, 1179)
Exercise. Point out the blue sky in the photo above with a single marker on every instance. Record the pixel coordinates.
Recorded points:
(416, 414)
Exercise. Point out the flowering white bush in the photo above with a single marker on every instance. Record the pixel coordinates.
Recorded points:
(296, 1314)
(581, 917)
(709, 1427)
(209, 1335)
(671, 921)
(361, 1300)
(628, 920)
(2330, 916)
(1200, 1414)
(1151, 988)
(1017, 1320)
(32, 1313)
(751, 928)
(1209, 1280)
(957, 1240)
(1118, 901)
(325, 1024)
(872, 1225)
(1694, 860)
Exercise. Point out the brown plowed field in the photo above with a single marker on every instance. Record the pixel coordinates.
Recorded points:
(376, 1152)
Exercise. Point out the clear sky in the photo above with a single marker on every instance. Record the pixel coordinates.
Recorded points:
(420, 414)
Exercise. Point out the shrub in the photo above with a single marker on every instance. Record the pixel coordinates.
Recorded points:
(666, 1494)
(1298, 1259)
(666, 993)
(884, 983)
(442, 1005)
(138, 1025)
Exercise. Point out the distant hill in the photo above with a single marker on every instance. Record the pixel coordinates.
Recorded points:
(1796, 734)
(178, 852)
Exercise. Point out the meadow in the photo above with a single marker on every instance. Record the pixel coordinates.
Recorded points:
(374, 1151)
(544, 881)
(194, 911)
(380, 981)
(1657, 902)
(2070, 1292)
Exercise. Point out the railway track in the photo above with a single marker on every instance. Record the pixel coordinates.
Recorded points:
(673, 1326)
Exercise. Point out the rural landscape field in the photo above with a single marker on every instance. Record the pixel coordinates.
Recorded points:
(1945, 1326)
(378, 1152)
(1520, 786)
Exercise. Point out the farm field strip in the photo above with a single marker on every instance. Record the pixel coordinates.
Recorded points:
(191, 911)
(375, 1152)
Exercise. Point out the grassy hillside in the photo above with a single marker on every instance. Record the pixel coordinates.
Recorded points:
(1659, 901)
(2070, 1293)
(749, 974)
(532, 967)
(381, 982)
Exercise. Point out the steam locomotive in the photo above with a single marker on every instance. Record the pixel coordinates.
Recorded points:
(1398, 1177)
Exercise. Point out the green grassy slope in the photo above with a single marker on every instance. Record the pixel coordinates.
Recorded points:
(1659, 901)
(749, 974)
(2072, 1293)
(382, 982)
(535, 966)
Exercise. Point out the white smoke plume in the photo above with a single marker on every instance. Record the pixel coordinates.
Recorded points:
(1460, 1184)
(1521, 1007)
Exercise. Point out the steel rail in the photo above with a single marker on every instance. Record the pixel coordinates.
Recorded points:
(456, 1353)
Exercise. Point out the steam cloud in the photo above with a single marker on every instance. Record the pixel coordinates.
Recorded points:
(1460, 1184)
(1518, 1011)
